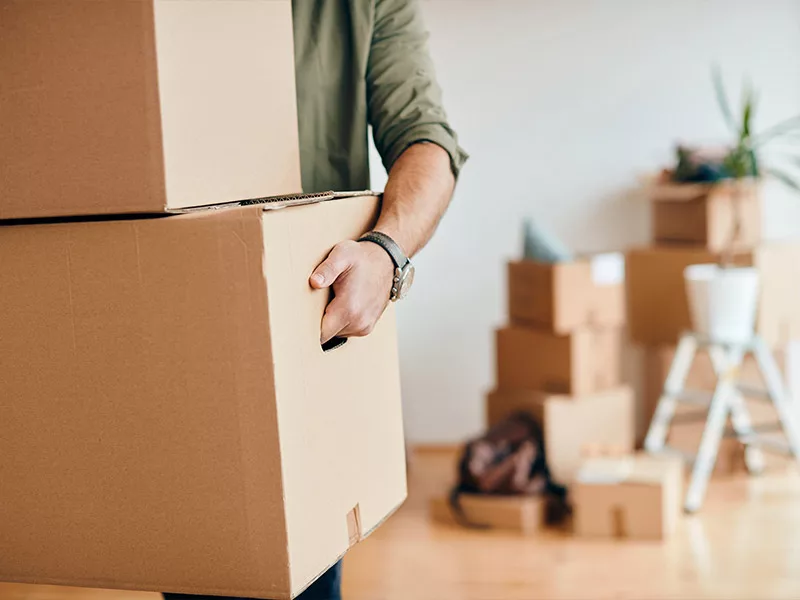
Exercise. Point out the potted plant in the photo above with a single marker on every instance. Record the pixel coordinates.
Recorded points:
(723, 297)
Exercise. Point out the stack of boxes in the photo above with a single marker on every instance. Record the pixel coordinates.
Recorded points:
(170, 420)
(693, 224)
(559, 357)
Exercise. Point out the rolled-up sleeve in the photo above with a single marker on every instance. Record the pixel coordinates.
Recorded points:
(404, 98)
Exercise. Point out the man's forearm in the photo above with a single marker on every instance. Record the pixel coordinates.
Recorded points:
(419, 189)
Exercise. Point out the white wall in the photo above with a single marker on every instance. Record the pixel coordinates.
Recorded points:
(562, 105)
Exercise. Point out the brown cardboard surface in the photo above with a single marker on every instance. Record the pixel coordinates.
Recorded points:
(685, 436)
(170, 422)
(707, 217)
(779, 309)
(607, 306)
(585, 361)
(574, 424)
(658, 309)
(636, 497)
(501, 403)
(524, 514)
(562, 297)
(554, 296)
(144, 106)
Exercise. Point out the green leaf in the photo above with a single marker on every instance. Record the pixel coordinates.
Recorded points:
(722, 98)
(747, 111)
(784, 127)
(785, 179)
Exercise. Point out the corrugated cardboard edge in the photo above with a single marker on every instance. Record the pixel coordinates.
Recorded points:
(278, 202)
(267, 203)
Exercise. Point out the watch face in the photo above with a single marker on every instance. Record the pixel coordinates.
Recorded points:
(406, 280)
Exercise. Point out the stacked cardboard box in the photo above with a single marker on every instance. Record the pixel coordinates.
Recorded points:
(559, 357)
(635, 497)
(693, 224)
(170, 420)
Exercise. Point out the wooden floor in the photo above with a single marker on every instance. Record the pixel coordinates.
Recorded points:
(745, 544)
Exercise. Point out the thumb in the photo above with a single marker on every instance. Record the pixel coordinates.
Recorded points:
(330, 269)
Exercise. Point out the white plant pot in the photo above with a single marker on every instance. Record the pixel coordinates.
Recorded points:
(723, 301)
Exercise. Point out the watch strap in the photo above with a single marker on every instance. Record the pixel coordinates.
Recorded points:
(392, 248)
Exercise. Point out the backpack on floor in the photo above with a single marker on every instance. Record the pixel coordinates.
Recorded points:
(509, 459)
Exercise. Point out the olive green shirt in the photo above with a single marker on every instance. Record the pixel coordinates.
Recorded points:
(360, 63)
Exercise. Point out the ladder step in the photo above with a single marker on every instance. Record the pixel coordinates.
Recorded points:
(768, 444)
(695, 397)
(667, 450)
(754, 429)
(689, 417)
(703, 398)
(754, 392)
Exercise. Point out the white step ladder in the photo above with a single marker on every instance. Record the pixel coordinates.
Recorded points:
(726, 400)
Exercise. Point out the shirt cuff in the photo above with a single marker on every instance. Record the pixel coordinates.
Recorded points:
(434, 133)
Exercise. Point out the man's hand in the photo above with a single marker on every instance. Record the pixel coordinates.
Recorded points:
(361, 274)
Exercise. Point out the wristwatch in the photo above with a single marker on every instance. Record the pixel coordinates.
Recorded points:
(403, 269)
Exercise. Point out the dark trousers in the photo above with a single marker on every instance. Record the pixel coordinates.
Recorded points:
(327, 587)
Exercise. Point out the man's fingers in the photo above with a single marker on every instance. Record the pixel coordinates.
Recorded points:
(343, 319)
(335, 320)
(328, 271)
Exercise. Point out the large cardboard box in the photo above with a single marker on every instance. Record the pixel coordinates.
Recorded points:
(704, 215)
(572, 426)
(658, 310)
(144, 106)
(687, 429)
(170, 420)
(583, 362)
(636, 497)
(562, 297)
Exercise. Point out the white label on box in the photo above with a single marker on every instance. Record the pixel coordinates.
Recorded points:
(608, 268)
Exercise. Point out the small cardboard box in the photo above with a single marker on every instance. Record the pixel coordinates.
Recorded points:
(571, 425)
(582, 362)
(686, 431)
(637, 497)
(170, 420)
(704, 215)
(658, 309)
(145, 106)
(525, 514)
(563, 297)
